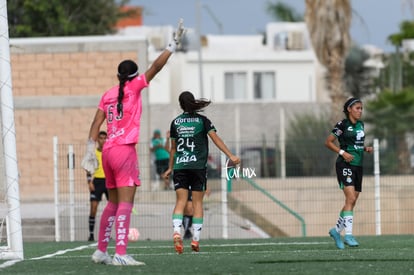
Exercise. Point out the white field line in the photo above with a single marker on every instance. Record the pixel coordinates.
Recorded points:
(62, 252)
(250, 244)
(9, 263)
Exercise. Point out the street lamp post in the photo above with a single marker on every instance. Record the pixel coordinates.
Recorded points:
(199, 7)
(199, 46)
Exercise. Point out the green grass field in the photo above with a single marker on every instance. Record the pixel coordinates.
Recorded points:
(375, 255)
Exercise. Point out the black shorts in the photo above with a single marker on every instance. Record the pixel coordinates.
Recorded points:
(161, 165)
(100, 189)
(194, 179)
(349, 175)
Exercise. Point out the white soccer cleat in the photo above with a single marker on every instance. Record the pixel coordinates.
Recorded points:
(125, 260)
(100, 257)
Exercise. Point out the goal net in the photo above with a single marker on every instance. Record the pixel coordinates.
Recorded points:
(11, 246)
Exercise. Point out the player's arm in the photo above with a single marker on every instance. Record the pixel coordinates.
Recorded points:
(152, 148)
(168, 172)
(96, 124)
(157, 65)
(89, 179)
(330, 143)
(162, 59)
(167, 145)
(89, 161)
(220, 144)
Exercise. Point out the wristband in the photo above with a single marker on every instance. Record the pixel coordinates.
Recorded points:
(171, 47)
(341, 152)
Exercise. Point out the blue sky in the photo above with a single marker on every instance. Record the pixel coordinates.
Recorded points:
(375, 20)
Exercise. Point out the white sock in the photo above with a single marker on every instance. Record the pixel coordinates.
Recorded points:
(177, 223)
(340, 224)
(348, 224)
(197, 226)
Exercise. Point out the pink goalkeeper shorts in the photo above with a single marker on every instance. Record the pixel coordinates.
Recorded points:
(120, 164)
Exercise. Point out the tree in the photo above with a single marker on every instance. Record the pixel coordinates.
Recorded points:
(328, 23)
(396, 61)
(406, 32)
(305, 146)
(391, 116)
(36, 18)
(283, 12)
(357, 77)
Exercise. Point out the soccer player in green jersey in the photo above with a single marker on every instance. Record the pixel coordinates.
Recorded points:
(189, 134)
(350, 134)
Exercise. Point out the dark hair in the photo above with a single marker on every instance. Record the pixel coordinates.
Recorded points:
(102, 133)
(349, 103)
(127, 70)
(191, 105)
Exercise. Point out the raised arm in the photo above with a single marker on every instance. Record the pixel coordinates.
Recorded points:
(162, 59)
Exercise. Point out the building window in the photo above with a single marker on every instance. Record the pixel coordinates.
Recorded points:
(235, 85)
(264, 85)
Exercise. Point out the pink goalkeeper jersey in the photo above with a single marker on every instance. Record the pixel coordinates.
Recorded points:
(123, 129)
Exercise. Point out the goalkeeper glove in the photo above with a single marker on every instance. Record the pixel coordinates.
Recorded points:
(89, 161)
(177, 36)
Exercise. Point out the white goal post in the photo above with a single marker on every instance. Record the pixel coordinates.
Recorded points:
(11, 222)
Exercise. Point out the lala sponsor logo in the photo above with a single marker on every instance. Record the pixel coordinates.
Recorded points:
(185, 158)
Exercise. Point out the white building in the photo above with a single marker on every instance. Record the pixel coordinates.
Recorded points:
(236, 68)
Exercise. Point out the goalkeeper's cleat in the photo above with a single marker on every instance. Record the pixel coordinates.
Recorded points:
(337, 238)
(100, 257)
(195, 246)
(349, 240)
(125, 260)
(178, 243)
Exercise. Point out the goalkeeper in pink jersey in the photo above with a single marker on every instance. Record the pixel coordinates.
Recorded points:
(121, 107)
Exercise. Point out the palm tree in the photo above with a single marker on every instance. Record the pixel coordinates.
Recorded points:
(283, 12)
(357, 79)
(328, 23)
(396, 39)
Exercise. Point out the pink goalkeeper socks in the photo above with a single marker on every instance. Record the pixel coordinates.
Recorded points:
(123, 218)
(107, 220)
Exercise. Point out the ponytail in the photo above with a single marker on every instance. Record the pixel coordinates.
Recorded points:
(119, 106)
(191, 105)
(127, 70)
